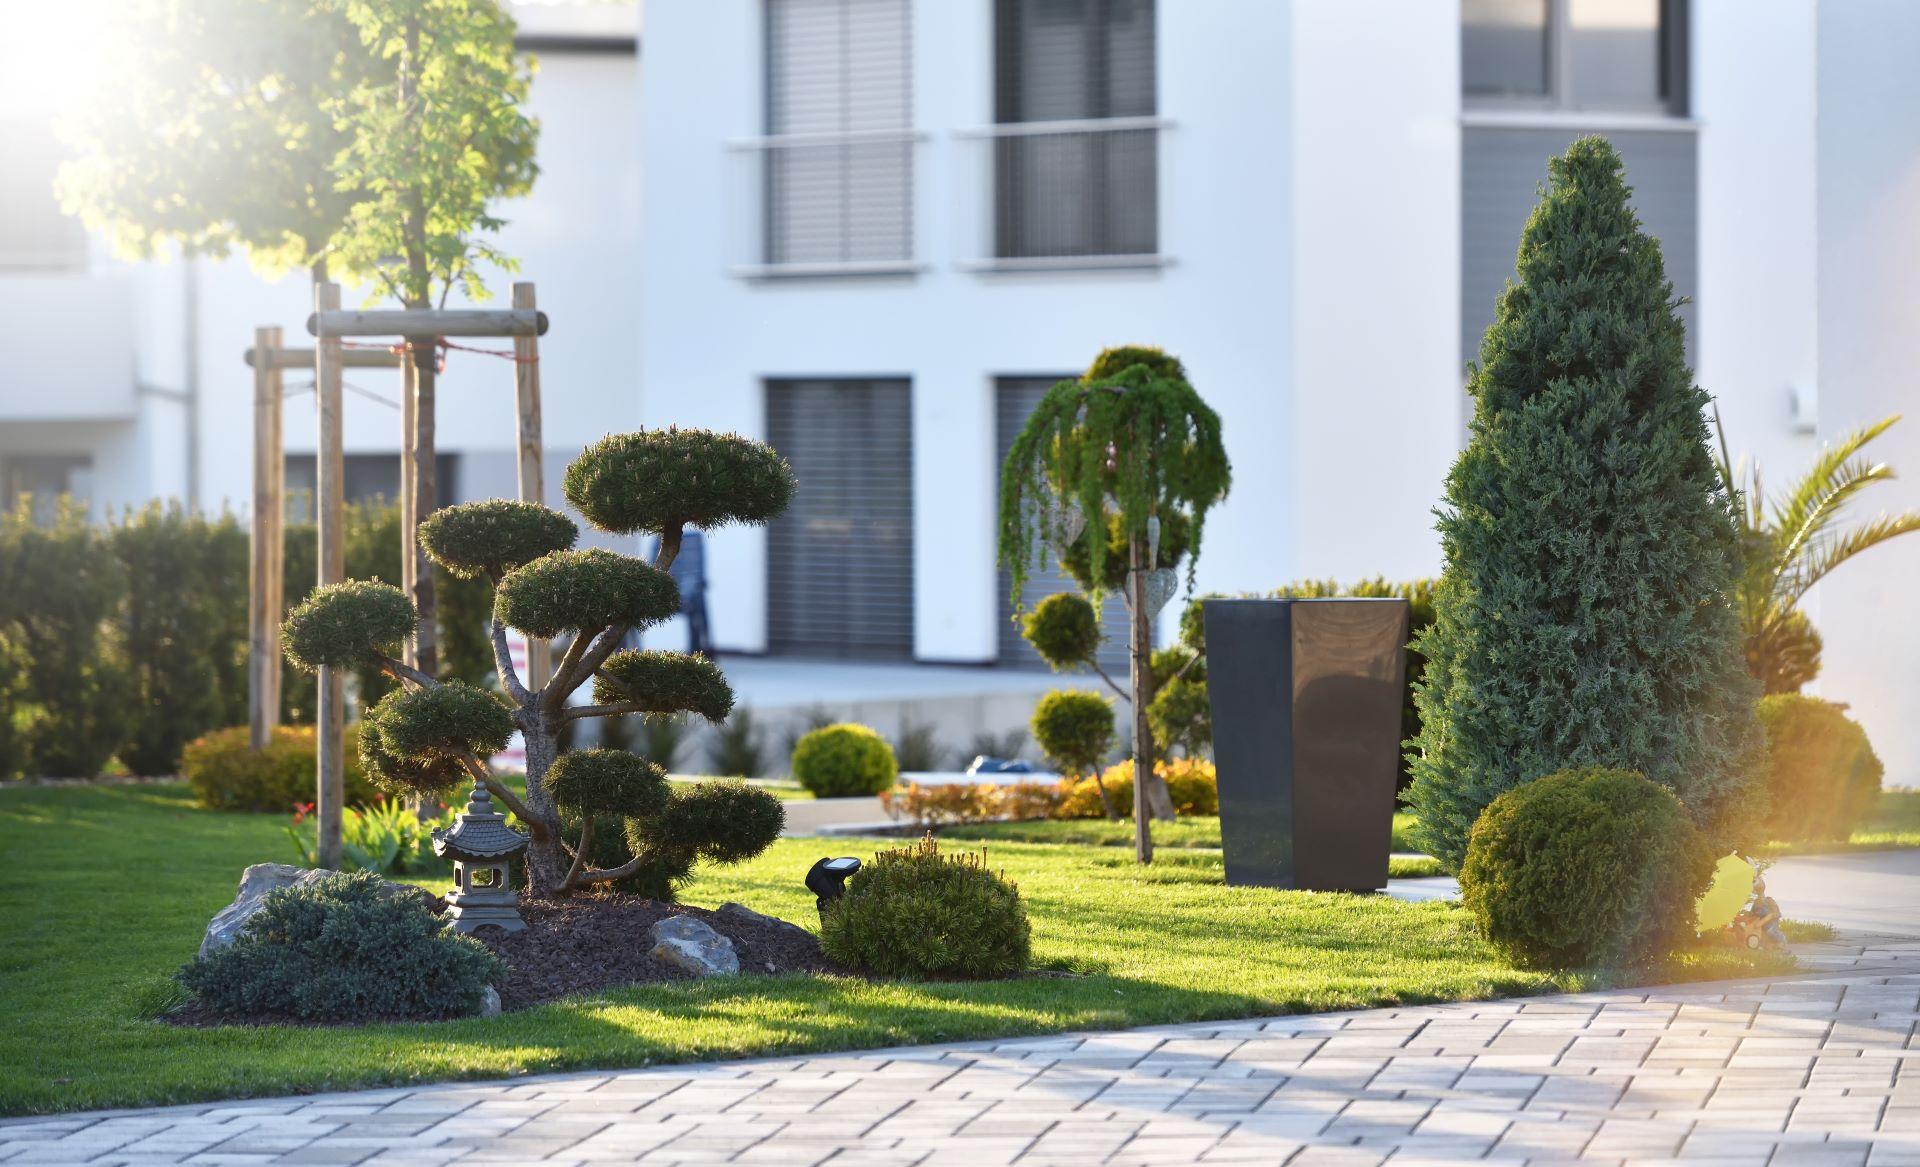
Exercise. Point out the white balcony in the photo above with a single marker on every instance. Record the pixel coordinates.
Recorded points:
(830, 204)
(69, 345)
(1060, 195)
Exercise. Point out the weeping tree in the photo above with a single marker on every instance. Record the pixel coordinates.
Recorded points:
(1586, 616)
(1793, 540)
(1115, 472)
(431, 734)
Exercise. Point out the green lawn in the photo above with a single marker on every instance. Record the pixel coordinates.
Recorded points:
(1895, 822)
(109, 888)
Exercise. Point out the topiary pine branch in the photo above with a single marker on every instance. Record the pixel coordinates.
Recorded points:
(401, 671)
(503, 663)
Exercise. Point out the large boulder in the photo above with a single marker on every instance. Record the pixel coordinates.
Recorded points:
(261, 878)
(689, 945)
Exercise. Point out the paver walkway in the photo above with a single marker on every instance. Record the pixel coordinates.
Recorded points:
(1806, 1070)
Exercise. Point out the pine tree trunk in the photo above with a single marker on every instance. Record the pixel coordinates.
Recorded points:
(547, 860)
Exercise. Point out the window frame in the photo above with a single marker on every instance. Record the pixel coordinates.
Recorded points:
(1559, 99)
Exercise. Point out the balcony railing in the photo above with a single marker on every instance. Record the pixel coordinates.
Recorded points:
(826, 204)
(1064, 194)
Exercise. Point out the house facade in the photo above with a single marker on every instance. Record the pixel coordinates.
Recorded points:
(873, 231)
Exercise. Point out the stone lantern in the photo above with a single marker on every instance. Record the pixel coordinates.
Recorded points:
(482, 848)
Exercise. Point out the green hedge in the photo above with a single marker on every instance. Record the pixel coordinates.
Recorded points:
(1822, 776)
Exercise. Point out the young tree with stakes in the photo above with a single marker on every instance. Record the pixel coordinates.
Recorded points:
(1117, 471)
(431, 734)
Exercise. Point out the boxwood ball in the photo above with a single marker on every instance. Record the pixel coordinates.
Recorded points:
(492, 538)
(659, 480)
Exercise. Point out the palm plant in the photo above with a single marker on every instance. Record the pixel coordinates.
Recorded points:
(1792, 542)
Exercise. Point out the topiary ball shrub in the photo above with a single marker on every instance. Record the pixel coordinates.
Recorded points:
(488, 539)
(344, 948)
(657, 480)
(1822, 776)
(914, 912)
(1064, 629)
(844, 761)
(227, 774)
(1588, 868)
(342, 624)
(1074, 729)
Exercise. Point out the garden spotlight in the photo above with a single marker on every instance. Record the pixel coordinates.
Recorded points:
(827, 880)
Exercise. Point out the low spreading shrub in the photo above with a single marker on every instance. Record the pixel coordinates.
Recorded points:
(947, 803)
(1585, 868)
(844, 761)
(1190, 781)
(1822, 776)
(914, 912)
(226, 774)
(344, 948)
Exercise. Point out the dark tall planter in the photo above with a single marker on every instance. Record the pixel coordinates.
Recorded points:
(1306, 737)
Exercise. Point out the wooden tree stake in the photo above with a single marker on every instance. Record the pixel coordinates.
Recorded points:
(330, 502)
(264, 603)
(533, 488)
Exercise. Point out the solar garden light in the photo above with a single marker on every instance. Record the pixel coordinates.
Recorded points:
(482, 847)
(827, 880)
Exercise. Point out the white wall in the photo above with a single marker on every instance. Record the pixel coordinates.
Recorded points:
(1869, 286)
(711, 338)
(1376, 283)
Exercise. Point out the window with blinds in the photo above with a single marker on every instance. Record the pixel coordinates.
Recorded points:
(1064, 184)
(840, 559)
(1014, 402)
(838, 156)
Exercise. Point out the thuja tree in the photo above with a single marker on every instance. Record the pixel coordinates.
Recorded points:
(1585, 617)
(431, 734)
(1116, 471)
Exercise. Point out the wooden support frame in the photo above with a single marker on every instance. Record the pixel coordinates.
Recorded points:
(330, 507)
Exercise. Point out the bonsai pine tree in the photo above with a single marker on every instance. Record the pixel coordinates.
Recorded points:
(1586, 615)
(431, 734)
(1117, 471)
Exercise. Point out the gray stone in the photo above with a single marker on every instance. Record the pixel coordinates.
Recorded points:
(261, 878)
(686, 943)
(490, 1002)
(741, 914)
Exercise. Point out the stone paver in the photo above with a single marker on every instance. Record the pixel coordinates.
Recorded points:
(1808, 1070)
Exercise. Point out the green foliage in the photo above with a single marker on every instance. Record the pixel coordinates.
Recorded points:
(844, 761)
(215, 123)
(63, 671)
(583, 592)
(344, 948)
(664, 683)
(427, 727)
(344, 624)
(488, 539)
(914, 912)
(1790, 542)
(184, 625)
(384, 837)
(1586, 615)
(1181, 714)
(1077, 560)
(1822, 776)
(661, 480)
(433, 141)
(399, 774)
(738, 748)
(1064, 629)
(1074, 728)
(1137, 434)
(226, 773)
(1585, 868)
(720, 822)
(591, 783)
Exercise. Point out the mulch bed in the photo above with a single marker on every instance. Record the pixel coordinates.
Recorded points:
(589, 942)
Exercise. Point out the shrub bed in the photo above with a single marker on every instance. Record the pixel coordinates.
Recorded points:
(914, 912)
(226, 773)
(1585, 868)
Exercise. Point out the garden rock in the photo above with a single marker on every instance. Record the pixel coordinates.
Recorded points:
(255, 882)
(741, 914)
(687, 944)
(490, 1002)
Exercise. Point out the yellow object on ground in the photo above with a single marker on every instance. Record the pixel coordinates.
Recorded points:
(1729, 892)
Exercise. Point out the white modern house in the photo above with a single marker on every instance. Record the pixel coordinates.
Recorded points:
(873, 231)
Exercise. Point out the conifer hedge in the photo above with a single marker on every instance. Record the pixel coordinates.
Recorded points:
(1585, 617)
